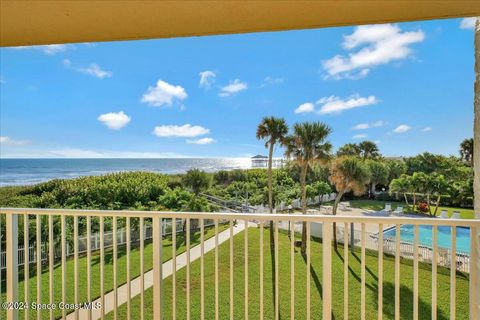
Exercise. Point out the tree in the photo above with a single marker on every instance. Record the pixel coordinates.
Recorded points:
(368, 150)
(349, 149)
(439, 187)
(347, 174)
(419, 182)
(402, 185)
(306, 146)
(396, 168)
(378, 173)
(196, 180)
(272, 130)
(466, 151)
(318, 188)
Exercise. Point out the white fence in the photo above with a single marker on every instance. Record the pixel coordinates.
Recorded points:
(407, 249)
(95, 241)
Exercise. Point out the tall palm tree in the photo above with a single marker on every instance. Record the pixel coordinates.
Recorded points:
(348, 174)
(306, 146)
(273, 130)
(369, 150)
(466, 150)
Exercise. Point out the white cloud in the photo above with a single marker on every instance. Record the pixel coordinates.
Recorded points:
(163, 94)
(114, 120)
(186, 130)
(49, 49)
(93, 69)
(207, 78)
(9, 141)
(468, 23)
(364, 126)
(335, 104)
(427, 129)
(272, 81)
(201, 141)
(376, 44)
(360, 136)
(361, 126)
(233, 87)
(305, 107)
(402, 128)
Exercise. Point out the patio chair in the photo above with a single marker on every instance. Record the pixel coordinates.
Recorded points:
(398, 211)
(456, 215)
(443, 214)
(388, 207)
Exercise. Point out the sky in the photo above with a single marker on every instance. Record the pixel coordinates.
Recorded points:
(407, 86)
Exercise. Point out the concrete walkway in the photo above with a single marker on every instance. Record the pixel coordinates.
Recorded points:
(195, 253)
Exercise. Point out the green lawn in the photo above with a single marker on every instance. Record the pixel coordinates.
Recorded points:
(443, 291)
(95, 280)
(380, 205)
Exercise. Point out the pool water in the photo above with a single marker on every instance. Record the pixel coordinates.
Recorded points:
(444, 236)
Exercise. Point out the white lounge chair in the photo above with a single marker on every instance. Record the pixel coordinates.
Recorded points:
(398, 211)
(388, 207)
(456, 215)
(443, 214)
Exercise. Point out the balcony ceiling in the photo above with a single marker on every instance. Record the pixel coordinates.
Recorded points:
(50, 21)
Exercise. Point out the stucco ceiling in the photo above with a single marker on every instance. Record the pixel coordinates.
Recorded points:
(60, 21)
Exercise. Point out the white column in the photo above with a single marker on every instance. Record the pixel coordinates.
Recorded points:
(474, 274)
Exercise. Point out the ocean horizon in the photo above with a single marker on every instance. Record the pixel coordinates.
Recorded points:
(28, 171)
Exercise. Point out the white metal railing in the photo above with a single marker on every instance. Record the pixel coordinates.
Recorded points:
(122, 293)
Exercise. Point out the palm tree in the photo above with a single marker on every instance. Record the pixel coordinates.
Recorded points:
(272, 130)
(466, 150)
(348, 174)
(368, 150)
(401, 185)
(440, 187)
(349, 149)
(306, 146)
(196, 180)
(378, 174)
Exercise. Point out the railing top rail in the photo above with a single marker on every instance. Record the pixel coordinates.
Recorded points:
(248, 216)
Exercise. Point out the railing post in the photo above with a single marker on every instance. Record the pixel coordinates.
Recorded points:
(474, 273)
(157, 268)
(327, 269)
(352, 237)
(12, 263)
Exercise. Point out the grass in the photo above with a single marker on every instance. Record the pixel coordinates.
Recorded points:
(406, 294)
(95, 279)
(380, 205)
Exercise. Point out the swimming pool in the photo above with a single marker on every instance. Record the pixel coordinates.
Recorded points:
(425, 236)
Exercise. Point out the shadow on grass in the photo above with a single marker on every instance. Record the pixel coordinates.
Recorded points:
(272, 256)
(316, 280)
(406, 303)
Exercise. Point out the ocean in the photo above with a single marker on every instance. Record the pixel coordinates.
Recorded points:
(31, 171)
